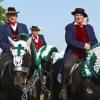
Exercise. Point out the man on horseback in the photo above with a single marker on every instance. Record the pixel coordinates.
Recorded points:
(38, 39)
(10, 29)
(79, 37)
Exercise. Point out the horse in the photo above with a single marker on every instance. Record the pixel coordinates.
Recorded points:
(84, 79)
(51, 60)
(18, 80)
(58, 58)
(45, 61)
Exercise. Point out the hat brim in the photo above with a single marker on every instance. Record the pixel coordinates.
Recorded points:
(34, 29)
(84, 14)
(11, 12)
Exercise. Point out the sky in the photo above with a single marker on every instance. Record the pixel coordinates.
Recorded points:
(53, 15)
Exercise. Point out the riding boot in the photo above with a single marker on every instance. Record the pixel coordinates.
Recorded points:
(63, 92)
(68, 64)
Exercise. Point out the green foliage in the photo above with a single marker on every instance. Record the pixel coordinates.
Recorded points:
(2, 15)
(1, 0)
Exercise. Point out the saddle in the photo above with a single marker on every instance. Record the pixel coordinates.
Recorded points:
(72, 70)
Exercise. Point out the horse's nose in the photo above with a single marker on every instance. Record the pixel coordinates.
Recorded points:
(20, 79)
(17, 61)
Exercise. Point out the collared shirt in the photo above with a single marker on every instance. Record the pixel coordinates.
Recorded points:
(37, 42)
(75, 23)
(15, 33)
(36, 39)
(14, 26)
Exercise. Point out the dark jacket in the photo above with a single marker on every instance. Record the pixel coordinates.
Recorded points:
(42, 40)
(72, 43)
(5, 31)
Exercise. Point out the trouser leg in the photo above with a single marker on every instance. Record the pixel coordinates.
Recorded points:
(68, 63)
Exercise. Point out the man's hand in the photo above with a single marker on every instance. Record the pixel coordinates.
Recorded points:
(87, 46)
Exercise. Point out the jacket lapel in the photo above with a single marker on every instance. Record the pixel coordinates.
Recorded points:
(8, 30)
(88, 32)
(18, 25)
(73, 28)
(41, 39)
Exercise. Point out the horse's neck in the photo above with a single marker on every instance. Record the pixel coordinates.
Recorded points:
(33, 53)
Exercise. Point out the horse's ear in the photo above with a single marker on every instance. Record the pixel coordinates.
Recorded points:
(11, 41)
(29, 41)
(28, 44)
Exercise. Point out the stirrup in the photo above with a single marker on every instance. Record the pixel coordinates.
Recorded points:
(63, 94)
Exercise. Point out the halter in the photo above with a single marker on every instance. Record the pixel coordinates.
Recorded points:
(21, 69)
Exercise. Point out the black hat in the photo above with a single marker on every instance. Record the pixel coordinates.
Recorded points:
(79, 11)
(36, 28)
(11, 10)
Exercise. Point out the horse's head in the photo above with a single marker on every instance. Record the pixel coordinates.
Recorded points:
(22, 60)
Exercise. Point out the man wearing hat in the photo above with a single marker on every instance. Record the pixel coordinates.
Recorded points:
(79, 37)
(12, 29)
(38, 39)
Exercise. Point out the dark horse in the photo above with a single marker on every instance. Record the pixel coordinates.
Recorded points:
(85, 88)
(46, 60)
(50, 84)
(17, 80)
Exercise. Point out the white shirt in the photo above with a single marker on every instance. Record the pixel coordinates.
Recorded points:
(75, 23)
(35, 39)
(14, 27)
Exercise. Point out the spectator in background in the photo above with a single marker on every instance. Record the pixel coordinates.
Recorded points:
(38, 39)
